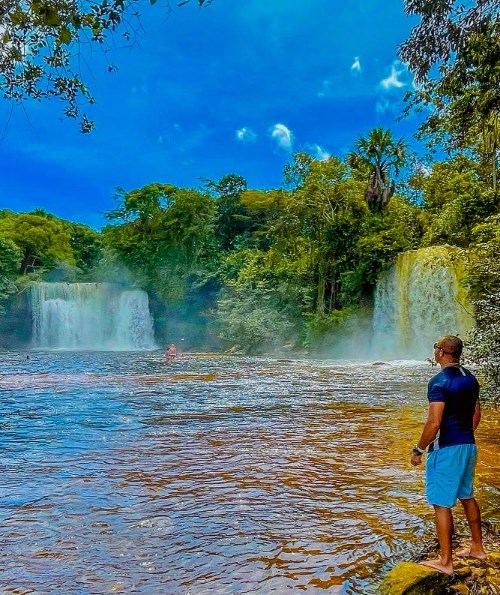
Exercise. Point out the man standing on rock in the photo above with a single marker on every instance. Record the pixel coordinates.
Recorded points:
(454, 414)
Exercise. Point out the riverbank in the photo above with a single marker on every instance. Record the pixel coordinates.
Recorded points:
(478, 577)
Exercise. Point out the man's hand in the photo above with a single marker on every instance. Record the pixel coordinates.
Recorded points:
(416, 460)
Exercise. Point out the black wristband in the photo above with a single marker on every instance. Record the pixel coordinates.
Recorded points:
(418, 451)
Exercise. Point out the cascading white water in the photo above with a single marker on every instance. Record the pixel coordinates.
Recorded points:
(418, 300)
(90, 316)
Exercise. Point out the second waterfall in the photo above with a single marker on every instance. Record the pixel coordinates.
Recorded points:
(419, 299)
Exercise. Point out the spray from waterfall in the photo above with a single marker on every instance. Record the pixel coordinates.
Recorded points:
(90, 316)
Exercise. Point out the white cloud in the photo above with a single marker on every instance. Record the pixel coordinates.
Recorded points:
(393, 81)
(319, 152)
(246, 135)
(283, 136)
(356, 65)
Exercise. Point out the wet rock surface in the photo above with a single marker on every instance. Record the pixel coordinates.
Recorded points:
(409, 578)
(478, 577)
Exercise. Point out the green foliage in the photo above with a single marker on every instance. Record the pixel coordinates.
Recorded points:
(318, 224)
(483, 278)
(463, 97)
(10, 258)
(320, 326)
(457, 200)
(61, 272)
(43, 241)
(165, 237)
(461, 195)
(252, 321)
(87, 246)
(383, 236)
(324, 250)
(233, 219)
(10, 261)
(443, 33)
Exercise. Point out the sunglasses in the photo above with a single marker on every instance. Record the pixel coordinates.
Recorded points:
(436, 346)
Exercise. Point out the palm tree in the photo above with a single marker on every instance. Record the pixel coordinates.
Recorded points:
(374, 157)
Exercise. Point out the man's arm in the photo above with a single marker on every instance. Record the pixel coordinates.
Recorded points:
(477, 415)
(431, 428)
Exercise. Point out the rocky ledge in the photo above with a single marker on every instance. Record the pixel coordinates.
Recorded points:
(471, 575)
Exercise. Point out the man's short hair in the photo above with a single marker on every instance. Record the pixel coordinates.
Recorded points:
(451, 345)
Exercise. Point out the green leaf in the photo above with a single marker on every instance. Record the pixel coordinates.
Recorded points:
(65, 36)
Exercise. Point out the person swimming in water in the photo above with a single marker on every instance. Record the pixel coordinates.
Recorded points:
(171, 353)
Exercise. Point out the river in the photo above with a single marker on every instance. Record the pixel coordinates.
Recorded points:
(213, 475)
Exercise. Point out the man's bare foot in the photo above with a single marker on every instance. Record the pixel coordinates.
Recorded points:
(437, 565)
(469, 552)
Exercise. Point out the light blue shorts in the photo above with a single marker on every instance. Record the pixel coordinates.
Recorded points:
(450, 474)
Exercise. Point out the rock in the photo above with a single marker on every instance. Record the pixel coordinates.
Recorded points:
(462, 571)
(494, 559)
(493, 578)
(409, 578)
(234, 349)
(478, 573)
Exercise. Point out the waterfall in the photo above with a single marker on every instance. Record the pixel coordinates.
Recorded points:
(90, 316)
(418, 300)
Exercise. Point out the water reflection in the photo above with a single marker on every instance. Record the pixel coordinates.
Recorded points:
(226, 475)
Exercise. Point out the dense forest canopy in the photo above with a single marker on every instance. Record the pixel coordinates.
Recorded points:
(287, 267)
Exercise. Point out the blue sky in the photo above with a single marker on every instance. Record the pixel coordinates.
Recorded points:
(235, 87)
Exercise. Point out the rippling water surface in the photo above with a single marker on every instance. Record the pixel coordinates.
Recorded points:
(212, 475)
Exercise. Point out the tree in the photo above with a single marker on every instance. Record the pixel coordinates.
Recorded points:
(456, 199)
(317, 225)
(382, 237)
(443, 32)
(10, 261)
(162, 234)
(232, 216)
(253, 320)
(454, 55)
(42, 43)
(374, 158)
(87, 245)
(483, 277)
(42, 241)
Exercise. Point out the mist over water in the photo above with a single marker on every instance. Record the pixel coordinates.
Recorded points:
(212, 475)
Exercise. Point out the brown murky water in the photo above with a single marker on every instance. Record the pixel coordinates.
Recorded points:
(214, 475)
